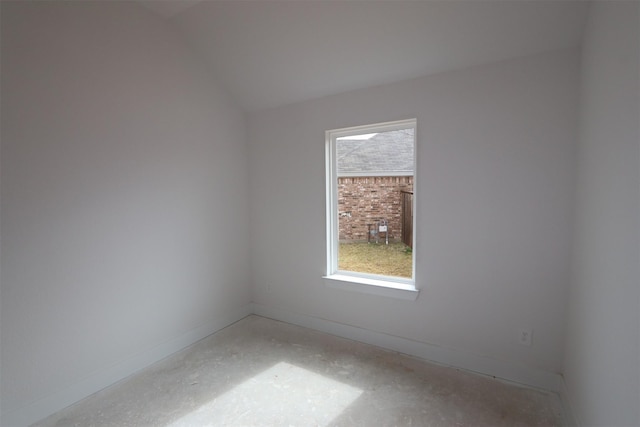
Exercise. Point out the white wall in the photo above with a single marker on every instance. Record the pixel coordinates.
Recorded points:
(602, 364)
(124, 201)
(494, 200)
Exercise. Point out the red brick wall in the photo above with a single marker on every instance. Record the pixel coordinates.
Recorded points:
(365, 200)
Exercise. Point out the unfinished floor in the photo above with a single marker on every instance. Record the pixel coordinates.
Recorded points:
(264, 372)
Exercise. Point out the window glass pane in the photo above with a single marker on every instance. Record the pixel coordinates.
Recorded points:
(375, 202)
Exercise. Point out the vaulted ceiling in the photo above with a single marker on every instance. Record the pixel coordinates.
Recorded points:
(271, 53)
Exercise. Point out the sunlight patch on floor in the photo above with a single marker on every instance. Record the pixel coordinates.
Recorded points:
(284, 394)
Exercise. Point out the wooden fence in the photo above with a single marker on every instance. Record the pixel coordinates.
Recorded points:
(407, 217)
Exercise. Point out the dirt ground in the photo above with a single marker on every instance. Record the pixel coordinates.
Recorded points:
(394, 259)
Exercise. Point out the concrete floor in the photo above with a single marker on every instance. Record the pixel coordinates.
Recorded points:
(263, 372)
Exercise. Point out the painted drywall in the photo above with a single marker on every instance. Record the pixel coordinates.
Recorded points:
(124, 200)
(273, 53)
(495, 155)
(602, 364)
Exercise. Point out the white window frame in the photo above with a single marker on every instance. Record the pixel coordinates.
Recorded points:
(395, 287)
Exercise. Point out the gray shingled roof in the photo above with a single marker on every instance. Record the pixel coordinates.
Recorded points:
(387, 153)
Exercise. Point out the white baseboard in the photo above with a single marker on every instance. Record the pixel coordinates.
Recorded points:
(486, 366)
(100, 380)
(508, 371)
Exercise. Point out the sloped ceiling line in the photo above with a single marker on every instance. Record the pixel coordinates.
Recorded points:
(271, 53)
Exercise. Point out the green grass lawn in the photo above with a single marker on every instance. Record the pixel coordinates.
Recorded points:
(394, 259)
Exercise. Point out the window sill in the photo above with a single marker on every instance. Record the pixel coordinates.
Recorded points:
(385, 288)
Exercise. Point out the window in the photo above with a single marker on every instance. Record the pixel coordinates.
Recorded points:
(370, 208)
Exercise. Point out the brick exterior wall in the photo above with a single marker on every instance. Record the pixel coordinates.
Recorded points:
(365, 200)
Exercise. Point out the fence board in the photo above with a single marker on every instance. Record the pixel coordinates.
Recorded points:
(407, 218)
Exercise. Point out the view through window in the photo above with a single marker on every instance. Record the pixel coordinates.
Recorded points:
(373, 182)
